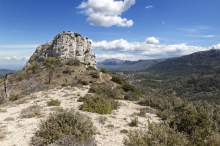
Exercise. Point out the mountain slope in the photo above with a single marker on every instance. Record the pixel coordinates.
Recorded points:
(193, 63)
(5, 71)
(126, 65)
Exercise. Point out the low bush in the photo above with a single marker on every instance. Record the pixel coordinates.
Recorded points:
(71, 141)
(104, 70)
(14, 97)
(73, 61)
(62, 125)
(117, 79)
(64, 85)
(158, 135)
(134, 122)
(102, 119)
(132, 96)
(83, 82)
(99, 105)
(142, 112)
(91, 68)
(2, 134)
(128, 87)
(124, 131)
(53, 102)
(32, 111)
(95, 75)
(104, 90)
(67, 71)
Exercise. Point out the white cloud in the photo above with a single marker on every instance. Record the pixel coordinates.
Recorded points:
(102, 57)
(17, 46)
(15, 58)
(216, 46)
(152, 40)
(107, 12)
(142, 50)
(150, 6)
(209, 36)
(13, 62)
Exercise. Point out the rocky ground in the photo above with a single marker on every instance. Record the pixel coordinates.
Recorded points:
(17, 131)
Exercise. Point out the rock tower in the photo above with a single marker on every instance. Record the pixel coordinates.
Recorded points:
(66, 45)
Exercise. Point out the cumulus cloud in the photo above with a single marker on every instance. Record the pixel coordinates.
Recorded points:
(13, 62)
(102, 57)
(152, 40)
(18, 46)
(143, 50)
(150, 6)
(216, 46)
(15, 58)
(107, 12)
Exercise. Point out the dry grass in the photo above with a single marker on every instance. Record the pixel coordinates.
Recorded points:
(9, 119)
(53, 102)
(2, 133)
(32, 111)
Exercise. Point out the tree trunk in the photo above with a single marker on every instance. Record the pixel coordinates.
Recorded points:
(5, 85)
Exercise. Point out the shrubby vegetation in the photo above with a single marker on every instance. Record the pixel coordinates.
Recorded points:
(105, 90)
(64, 126)
(98, 104)
(31, 111)
(117, 80)
(157, 135)
(53, 102)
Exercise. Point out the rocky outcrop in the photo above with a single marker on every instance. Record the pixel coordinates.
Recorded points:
(66, 45)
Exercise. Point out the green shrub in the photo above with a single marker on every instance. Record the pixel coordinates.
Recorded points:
(110, 126)
(91, 68)
(53, 102)
(104, 70)
(99, 105)
(124, 131)
(117, 79)
(132, 96)
(51, 62)
(142, 112)
(134, 122)
(104, 90)
(128, 87)
(158, 135)
(65, 124)
(95, 75)
(33, 67)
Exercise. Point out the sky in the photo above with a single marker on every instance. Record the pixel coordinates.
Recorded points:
(122, 29)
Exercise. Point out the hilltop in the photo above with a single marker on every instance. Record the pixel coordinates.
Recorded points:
(61, 79)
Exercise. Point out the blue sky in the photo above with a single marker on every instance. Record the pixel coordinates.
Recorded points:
(123, 29)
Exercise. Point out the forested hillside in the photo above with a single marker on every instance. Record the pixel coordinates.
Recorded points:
(193, 63)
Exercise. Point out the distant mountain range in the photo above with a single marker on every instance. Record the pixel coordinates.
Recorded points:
(5, 71)
(184, 65)
(127, 65)
(193, 63)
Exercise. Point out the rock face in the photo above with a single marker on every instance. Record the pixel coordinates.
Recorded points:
(66, 45)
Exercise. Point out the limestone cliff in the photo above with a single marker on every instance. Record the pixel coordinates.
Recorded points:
(66, 45)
